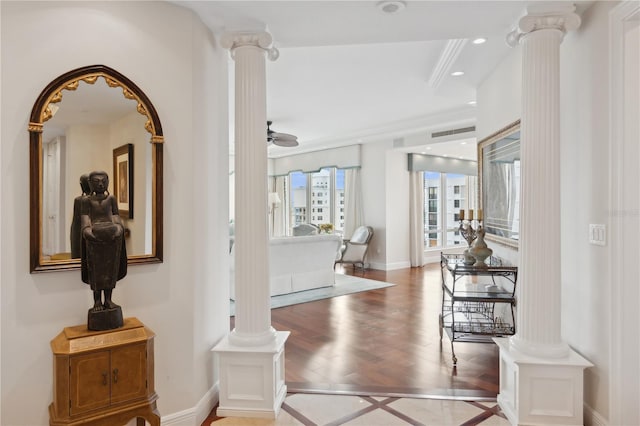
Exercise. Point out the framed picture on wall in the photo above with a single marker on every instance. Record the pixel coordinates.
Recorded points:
(123, 179)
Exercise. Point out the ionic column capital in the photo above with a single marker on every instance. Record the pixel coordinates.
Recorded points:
(561, 17)
(261, 40)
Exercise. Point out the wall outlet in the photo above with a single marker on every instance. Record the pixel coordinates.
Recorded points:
(597, 234)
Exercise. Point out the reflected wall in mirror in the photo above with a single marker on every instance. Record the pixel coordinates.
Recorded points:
(499, 173)
(76, 123)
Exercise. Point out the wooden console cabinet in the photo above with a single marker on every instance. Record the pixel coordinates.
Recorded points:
(104, 377)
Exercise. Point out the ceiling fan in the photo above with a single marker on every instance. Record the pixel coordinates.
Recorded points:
(280, 139)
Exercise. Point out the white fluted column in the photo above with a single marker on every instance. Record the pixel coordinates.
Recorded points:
(538, 315)
(251, 359)
(541, 378)
(253, 312)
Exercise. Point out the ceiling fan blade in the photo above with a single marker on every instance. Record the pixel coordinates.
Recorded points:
(287, 143)
(276, 135)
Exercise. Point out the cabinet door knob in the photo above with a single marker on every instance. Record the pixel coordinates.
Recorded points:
(104, 378)
(115, 375)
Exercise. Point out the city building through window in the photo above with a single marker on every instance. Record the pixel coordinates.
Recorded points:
(323, 188)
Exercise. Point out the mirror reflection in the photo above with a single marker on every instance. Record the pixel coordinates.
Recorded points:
(499, 170)
(88, 126)
(94, 119)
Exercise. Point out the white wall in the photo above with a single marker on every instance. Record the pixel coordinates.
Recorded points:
(499, 96)
(397, 206)
(584, 185)
(586, 286)
(499, 104)
(167, 52)
(373, 176)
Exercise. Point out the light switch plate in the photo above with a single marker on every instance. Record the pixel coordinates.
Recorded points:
(597, 234)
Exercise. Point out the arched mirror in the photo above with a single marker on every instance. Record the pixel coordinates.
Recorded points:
(94, 118)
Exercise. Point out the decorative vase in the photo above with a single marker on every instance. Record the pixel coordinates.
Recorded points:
(479, 249)
(468, 257)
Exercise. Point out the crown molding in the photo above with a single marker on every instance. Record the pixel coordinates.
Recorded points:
(447, 58)
(456, 117)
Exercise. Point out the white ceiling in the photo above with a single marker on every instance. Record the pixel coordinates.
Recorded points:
(348, 72)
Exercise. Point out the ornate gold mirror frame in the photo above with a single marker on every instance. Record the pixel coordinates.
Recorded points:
(41, 112)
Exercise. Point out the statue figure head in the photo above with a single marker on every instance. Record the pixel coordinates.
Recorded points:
(84, 184)
(99, 182)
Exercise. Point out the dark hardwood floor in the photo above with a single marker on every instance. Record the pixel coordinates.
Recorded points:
(383, 341)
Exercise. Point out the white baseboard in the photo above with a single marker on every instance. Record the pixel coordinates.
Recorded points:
(196, 415)
(398, 265)
(593, 418)
(388, 266)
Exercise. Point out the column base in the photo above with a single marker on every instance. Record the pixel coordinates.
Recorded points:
(251, 378)
(540, 391)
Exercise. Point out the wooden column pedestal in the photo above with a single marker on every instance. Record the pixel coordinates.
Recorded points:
(104, 377)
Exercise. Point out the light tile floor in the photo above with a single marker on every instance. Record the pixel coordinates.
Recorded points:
(334, 410)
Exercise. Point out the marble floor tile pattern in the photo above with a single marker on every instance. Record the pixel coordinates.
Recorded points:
(311, 409)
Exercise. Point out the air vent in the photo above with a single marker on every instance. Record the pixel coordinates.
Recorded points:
(453, 132)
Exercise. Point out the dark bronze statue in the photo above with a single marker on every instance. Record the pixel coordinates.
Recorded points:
(76, 232)
(104, 257)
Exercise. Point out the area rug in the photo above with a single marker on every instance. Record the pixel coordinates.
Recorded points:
(345, 284)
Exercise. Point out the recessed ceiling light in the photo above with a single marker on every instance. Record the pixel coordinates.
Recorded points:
(463, 143)
(428, 148)
(445, 155)
(471, 103)
(479, 40)
(391, 7)
(457, 73)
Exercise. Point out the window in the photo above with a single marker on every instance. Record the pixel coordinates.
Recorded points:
(323, 189)
(445, 195)
(433, 191)
(298, 198)
(338, 207)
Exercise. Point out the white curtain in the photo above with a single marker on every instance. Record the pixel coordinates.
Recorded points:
(353, 213)
(416, 218)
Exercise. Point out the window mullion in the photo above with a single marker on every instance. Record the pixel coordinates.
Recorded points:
(309, 189)
(442, 207)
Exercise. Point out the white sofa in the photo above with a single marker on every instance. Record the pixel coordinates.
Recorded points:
(299, 263)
